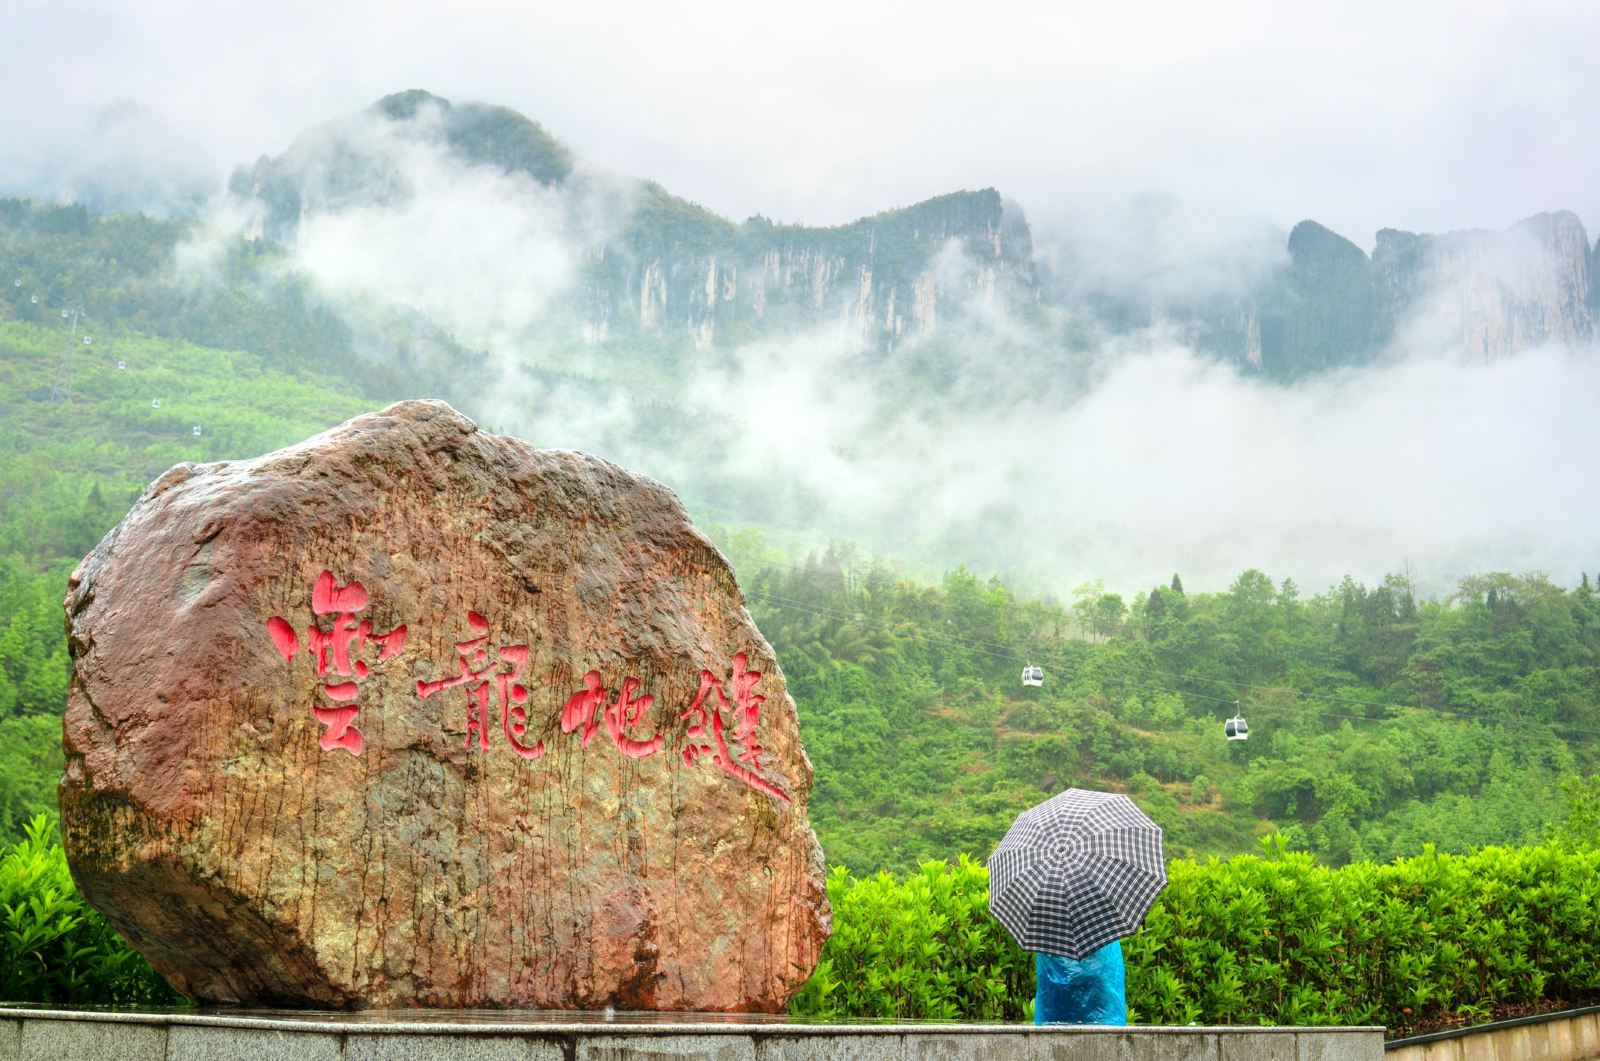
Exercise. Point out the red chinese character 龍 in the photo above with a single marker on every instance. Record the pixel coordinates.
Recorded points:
(482, 674)
(338, 649)
(748, 706)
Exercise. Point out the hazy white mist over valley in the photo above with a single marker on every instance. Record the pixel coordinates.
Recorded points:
(1076, 381)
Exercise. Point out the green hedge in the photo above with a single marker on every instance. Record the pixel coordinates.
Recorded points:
(926, 948)
(53, 946)
(1276, 939)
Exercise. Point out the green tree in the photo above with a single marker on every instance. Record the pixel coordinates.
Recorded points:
(1582, 824)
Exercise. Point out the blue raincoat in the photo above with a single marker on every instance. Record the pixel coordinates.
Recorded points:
(1091, 990)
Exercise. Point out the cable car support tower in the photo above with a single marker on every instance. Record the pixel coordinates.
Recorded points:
(61, 384)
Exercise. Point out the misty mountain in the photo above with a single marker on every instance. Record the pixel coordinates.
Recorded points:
(1480, 295)
(656, 268)
(1483, 294)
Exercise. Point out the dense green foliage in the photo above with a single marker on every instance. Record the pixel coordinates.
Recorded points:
(921, 948)
(1379, 723)
(168, 279)
(75, 466)
(1278, 939)
(1382, 724)
(53, 946)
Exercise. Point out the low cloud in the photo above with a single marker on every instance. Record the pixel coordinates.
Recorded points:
(121, 156)
(1155, 460)
(488, 255)
(1052, 448)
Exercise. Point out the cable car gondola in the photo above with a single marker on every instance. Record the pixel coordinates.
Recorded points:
(1032, 675)
(1236, 728)
(196, 430)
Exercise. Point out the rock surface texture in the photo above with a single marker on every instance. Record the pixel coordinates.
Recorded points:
(1491, 294)
(415, 715)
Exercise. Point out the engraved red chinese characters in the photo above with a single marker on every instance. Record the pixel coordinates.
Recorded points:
(203, 818)
(337, 649)
(482, 674)
(620, 714)
(748, 706)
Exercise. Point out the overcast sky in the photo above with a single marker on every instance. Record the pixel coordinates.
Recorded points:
(1362, 114)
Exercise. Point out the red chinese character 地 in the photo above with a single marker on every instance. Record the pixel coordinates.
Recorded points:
(338, 650)
(625, 711)
(748, 707)
(483, 675)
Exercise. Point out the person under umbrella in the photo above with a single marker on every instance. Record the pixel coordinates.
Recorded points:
(1072, 876)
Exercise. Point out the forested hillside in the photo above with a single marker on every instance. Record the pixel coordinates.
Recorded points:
(72, 468)
(176, 280)
(1379, 721)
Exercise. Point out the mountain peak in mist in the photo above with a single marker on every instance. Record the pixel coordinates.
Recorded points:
(624, 260)
(487, 134)
(403, 105)
(1310, 241)
(349, 160)
(639, 262)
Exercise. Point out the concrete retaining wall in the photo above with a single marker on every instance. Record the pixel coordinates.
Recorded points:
(1573, 1037)
(59, 1035)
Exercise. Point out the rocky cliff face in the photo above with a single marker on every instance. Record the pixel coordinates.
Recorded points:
(883, 278)
(1491, 293)
(1324, 316)
(1482, 293)
(670, 271)
(1594, 285)
(657, 270)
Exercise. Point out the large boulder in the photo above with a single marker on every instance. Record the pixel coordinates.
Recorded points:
(414, 715)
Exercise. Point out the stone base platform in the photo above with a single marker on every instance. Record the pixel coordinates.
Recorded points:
(38, 1034)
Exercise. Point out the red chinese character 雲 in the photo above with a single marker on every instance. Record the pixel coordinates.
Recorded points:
(337, 649)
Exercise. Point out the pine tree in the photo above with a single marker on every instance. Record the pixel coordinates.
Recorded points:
(1177, 583)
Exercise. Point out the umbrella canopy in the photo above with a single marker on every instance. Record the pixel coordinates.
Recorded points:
(1076, 872)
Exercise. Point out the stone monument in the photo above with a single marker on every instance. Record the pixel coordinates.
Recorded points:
(414, 715)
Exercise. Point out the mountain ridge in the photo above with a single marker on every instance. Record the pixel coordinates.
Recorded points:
(674, 269)
(676, 273)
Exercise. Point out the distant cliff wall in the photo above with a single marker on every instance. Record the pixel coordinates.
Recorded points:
(657, 269)
(1494, 293)
(1486, 294)
(673, 271)
(884, 278)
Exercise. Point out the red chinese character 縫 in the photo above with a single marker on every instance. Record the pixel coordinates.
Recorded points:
(748, 705)
(337, 649)
(627, 710)
(481, 674)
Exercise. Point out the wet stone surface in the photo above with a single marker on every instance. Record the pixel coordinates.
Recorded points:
(415, 715)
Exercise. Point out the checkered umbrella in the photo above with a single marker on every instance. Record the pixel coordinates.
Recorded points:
(1076, 872)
